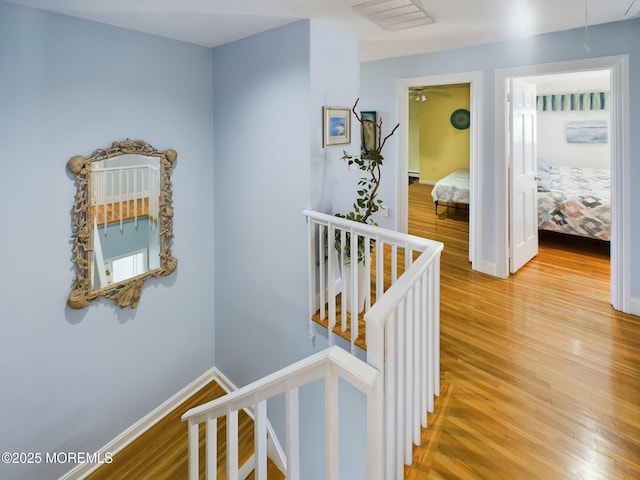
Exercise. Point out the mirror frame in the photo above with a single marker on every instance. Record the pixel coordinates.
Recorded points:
(127, 292)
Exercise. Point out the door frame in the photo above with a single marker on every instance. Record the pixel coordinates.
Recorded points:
(474, 79)
(618, 67)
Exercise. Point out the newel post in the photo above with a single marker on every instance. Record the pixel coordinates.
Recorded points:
(375, 402)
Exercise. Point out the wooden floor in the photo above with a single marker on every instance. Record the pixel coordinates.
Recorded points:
(540, 376)
(126, 210)
(161, 453)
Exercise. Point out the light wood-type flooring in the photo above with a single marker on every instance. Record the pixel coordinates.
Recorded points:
(126, 210)
(540, 376)
(161, 453)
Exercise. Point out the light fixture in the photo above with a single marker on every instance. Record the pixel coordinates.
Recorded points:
(417, 95)
(394, 15)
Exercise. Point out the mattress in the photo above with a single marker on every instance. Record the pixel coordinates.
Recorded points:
(454, 188)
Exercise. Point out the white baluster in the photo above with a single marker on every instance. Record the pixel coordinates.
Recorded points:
(260, 439)
(120, 196)
(435, 299)
(343, 281)
(321, 270)
(193, 451)
(332, 450)
(415, 361)
(313, 257)
(293, 435)
(212, 448)
(424, 349)
(232, 445)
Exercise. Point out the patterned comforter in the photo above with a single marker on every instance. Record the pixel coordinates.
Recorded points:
(578, 202)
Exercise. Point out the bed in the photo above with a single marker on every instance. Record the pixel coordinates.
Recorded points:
(452, 190)
(575, 201)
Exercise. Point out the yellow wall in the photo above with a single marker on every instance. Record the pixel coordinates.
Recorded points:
(442, 147)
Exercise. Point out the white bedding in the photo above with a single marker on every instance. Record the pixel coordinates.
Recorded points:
(454, 188)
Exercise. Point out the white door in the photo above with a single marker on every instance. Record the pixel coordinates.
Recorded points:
(523, 169)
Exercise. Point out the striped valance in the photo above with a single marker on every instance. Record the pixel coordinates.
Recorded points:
(573, 101)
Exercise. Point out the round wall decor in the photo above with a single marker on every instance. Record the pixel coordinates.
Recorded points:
(460, 119)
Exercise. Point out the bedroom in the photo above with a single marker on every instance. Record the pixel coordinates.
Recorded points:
(572, 128)
(439, 141)
(437, 160)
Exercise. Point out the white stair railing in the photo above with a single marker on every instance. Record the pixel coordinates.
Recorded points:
(403, 354)
(122, 188)
(402, 326)
(329, 365)
(403, 343)
(328, 261)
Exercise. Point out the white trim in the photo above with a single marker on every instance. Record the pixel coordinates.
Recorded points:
(130, 434)
(475, 152)
(274, 450)
(618, 66)
(634, 306)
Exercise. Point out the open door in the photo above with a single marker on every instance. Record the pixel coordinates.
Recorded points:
(523, 228)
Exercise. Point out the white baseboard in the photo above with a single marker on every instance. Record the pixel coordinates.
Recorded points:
(274, 449)
(426, 182)
(490, 268)
(130, 434)
(634, 306)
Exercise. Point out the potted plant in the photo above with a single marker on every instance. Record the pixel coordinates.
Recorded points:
(367, 202)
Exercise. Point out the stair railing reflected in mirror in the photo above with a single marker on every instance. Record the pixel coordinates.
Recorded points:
(122, 220)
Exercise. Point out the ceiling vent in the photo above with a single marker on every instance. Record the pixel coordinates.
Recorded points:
(394, 15)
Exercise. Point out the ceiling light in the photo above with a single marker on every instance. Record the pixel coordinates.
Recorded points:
(395, 15)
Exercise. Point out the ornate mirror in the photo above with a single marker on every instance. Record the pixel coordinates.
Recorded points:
(122, 220)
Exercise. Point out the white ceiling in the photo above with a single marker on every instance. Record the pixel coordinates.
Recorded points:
(458, 22)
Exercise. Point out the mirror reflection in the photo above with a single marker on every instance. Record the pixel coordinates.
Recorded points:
(123, 221)
(124, 208)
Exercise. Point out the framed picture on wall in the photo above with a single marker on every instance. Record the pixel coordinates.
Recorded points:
(369, 139)
(588, 131)
(337, 126)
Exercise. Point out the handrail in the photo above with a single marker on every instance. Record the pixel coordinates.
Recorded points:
(307, 370)
(383, 308)
(384, 234)
(332, 272)
(402, 373)
(403, 342)
(329, 364)
(402, 325)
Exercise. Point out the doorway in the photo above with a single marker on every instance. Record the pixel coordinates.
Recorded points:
(618, 74)
(404, 86)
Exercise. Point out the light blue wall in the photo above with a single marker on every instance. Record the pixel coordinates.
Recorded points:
(261, 185)
(73, 380)
(379, 88)
(269, 90)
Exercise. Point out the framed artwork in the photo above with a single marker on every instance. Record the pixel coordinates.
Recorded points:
(369, 140)
(592, 131)
(337, 126)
